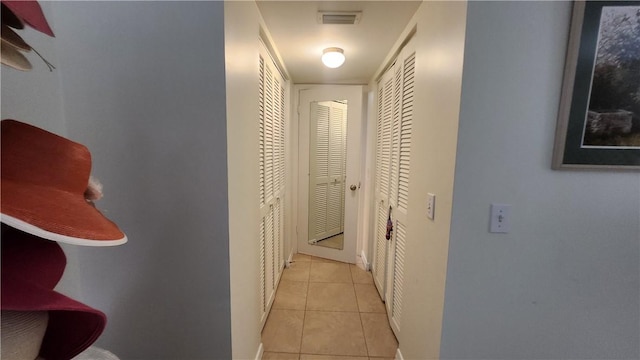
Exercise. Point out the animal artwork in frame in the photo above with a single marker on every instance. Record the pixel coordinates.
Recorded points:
(599, 116)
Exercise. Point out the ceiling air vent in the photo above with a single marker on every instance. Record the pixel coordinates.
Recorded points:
(339, 18)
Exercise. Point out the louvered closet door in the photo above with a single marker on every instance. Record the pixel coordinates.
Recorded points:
(271, 153)
(401, 129)
(327, 169)
(382, 180)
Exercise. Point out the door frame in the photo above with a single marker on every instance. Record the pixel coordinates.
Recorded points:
(354, 95)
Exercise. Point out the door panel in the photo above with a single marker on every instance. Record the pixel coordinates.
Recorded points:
(334, 188)
(383, 172)
(271, 154)
(381, 249)
(393, 153)
(404, 75)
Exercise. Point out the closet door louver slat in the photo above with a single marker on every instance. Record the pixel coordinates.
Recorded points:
(336, 172)
(280, 238)
(261, 129)
(398, 271)
(268, 134)
(263, 271)
(282, 175)
(378, 184)
(271, 173)
(282, 135)
(321, 170)
(387, 116)
(380, 256)
(269, 254)
(405, 132)
(277, 111)
(395, 137)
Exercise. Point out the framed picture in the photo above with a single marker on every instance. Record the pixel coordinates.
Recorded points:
(599, 116)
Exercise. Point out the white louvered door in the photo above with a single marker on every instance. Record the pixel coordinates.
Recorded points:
(327, 169)
(271, 153)
(383, 164)
(401, 156)
(393, 144)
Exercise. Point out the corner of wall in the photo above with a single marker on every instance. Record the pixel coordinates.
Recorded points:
(439, 43)
(242, 26)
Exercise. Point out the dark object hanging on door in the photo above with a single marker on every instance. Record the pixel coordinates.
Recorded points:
(389, 225)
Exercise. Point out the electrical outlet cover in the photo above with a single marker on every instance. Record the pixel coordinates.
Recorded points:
(431, 205)
(500, 218)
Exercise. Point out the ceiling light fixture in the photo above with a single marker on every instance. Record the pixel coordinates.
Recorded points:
(333, 57)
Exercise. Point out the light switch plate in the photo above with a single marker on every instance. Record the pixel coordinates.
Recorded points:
(431, 205)
(500, 218)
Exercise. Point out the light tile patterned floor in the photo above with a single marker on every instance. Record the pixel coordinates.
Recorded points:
(327, 310)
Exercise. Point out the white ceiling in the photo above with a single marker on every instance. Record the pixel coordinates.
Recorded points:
(300, 39)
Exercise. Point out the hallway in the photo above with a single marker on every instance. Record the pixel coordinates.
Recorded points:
(327, 310)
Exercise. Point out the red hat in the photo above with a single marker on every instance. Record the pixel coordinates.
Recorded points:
(31, 268)
(28, 12)
(44, 179)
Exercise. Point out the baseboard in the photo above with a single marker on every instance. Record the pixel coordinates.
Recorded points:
(289, 259)
(260, 352)
(398, 354)
(365, 262)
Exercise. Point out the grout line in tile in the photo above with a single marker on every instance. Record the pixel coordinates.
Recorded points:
(342, 356)
(333, 311)
(366, 345)
(306, 301)
(357, 302)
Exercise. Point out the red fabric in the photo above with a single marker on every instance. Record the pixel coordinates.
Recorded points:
(31, 268)
(30, 12)
(44, 177)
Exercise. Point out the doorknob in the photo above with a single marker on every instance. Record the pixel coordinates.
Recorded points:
(353, 187)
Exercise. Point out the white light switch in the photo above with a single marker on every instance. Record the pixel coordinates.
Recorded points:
(431, 205)
(500, 218)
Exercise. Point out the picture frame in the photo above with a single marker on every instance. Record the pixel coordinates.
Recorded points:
(598, 125)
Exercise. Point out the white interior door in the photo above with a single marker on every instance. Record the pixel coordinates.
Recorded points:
(336, 188)
(271, 155)
(400, 173)
(393, 164)
(382, 180)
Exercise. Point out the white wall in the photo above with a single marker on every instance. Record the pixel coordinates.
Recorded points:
(241, 40)
(564, 283)
(150, 105)
(439, 43)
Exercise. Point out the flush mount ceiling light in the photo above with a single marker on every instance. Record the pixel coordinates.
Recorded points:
(333, 57)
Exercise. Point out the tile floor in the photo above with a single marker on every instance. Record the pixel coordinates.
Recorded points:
(327, 310)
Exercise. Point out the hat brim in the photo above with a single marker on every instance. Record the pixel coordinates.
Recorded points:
(72, 327)
(13, 39)
(13, 58)
(56, 215)
(30, 13)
